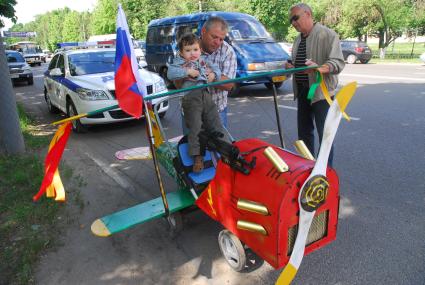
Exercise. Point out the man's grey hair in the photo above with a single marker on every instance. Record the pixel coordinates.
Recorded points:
(302, 6)
(216, 20)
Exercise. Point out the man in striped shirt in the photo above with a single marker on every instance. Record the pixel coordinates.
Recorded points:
(315, 45)
(222, 54)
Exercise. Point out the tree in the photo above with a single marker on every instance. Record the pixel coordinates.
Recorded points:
(105, 17)
(393, 18)
(7, 10)
(71, 28)
(273, 14)
(138, 16)
(11, 139)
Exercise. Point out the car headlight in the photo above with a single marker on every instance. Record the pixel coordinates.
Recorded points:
(91, 95)
(256, 66)
(159, 86)
(26, 67)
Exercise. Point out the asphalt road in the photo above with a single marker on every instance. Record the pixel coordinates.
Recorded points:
(379, 156)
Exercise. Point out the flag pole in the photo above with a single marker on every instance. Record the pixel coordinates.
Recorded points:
(154, 158)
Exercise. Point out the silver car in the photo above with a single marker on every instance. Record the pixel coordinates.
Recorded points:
(18, 68)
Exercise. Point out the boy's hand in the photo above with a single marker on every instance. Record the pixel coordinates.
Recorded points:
(193, 72)
(211, 77)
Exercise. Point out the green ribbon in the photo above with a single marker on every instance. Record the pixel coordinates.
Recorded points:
(267, 74)
(314, 86)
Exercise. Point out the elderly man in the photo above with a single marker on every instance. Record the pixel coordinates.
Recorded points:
(315, 45)
(222, 54)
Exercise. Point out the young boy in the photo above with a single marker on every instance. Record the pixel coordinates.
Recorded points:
(199, 109)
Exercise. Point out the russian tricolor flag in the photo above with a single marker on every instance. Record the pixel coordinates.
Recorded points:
(129, 86)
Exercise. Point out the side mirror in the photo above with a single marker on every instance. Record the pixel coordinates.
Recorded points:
(143, 64)
(56, 72)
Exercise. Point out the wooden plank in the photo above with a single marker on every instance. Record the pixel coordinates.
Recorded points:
(141, 213)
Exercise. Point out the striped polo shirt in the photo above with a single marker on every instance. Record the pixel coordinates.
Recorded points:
(300, 60)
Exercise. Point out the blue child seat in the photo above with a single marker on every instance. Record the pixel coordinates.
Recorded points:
(203, 176)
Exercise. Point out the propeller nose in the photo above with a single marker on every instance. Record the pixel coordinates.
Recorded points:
(314, 193)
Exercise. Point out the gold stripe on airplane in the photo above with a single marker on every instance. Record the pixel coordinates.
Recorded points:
(252, 206)
(252, 227)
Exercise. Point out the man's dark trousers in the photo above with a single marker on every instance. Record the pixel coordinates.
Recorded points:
(307, 113)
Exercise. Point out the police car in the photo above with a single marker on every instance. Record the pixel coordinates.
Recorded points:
(79, 81)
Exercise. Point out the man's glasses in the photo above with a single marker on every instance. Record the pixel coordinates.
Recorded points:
(295, 18)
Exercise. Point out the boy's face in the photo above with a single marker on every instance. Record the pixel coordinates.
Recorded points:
(191, 52)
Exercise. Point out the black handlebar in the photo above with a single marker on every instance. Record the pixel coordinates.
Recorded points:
(229, 153)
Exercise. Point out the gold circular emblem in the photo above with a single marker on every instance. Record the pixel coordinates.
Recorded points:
(314, 193)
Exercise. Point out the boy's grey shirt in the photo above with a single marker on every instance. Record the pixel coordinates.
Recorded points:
(178, 70)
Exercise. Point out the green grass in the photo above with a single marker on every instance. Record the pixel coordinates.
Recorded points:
(32, 135)
(395, 60)
(26, 228)
(400, 51)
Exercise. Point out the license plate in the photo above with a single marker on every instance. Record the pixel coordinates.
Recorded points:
(279, 78)
(14, 76)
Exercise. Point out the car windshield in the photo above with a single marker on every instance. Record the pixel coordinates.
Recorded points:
(247, 30)
(91, 62)
(14, 57)
(31, 49)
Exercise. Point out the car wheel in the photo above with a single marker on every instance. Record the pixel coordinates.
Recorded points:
(351, 59)
(52, 109)
(235, 90)
(232, 250)
(168, 82)
(364, 61)
(270, 86)
(76, 124)
(30, 81)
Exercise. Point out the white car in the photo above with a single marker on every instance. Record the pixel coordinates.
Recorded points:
(82, 81)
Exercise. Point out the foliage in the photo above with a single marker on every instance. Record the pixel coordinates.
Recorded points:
(104, 17)
(7, 10)
(138, 16)
(32, 140)
(273, 14)
(350, 18)
(26, 229)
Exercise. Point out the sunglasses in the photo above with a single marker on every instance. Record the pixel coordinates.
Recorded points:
(295, 18)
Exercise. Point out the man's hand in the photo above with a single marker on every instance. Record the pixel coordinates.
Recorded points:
(211, 77)
(227, 86)
(322, 69)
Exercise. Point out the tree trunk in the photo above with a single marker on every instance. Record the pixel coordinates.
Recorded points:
(381, 36)
(414, 41)
(11, 139)
(381, 44)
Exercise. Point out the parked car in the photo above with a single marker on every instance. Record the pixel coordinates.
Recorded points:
(422, 57)
(19, 69)
(48, 53)
(356, 50)
(82, 80)
(287, 47)
(255, 48)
